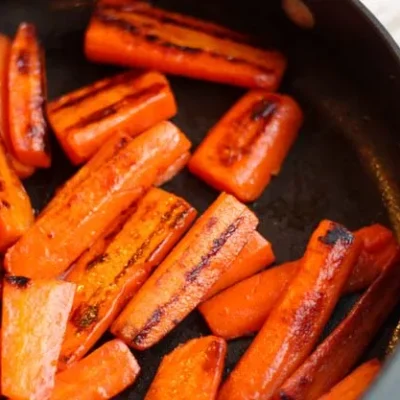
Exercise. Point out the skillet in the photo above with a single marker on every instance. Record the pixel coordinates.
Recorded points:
(346, 75)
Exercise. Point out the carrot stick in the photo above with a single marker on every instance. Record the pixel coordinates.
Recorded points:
(134, 33)
(187, 274)
(27, 96)
(34, 317)
(192, 371)
(356, 384)
(294, 325)
(100, 376)
(107, 281)
(173, 169)
(248, 145)
(61, 235)
(83, 120)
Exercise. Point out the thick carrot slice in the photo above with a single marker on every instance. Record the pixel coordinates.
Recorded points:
(249, 144)
(35, 315)
(133, 33)
(27, 96)
(356, 384)
(100, 376)
(83, 120)
(294, 325)
(187, 274)
(173, 169)
(192, 371)
(61, 235)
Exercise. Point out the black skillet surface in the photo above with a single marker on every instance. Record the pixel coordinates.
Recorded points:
(323, 177)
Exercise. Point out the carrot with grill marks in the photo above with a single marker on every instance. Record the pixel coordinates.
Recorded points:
(192, 371)
(184, 278)
(248, 145)
(61, 235)
(27, 97)
(34, 317)
(83, 120)
(294, 325)
(133, 33)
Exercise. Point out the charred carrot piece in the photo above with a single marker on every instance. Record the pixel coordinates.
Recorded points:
(83, 120)
(249, 144)
(192, 371)
(173, 169)
(294, 325)
(100, 376)
(51, 245)
(34, 318)
(27, 96)
(134, 33)
(184, 278)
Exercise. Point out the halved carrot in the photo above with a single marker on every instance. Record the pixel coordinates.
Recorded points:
(83, 120)
(100, 376)
(61, 235)
(294, 325)
(107, 281)
(27, 97)
(356, 384)
(173, 169)
(133, 33)
(187, 274)
(35, 315)
(192, 371)
(248, 145)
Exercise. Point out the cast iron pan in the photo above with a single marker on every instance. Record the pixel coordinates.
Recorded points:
(345, 73)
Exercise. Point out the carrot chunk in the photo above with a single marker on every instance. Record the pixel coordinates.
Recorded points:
(27, 97)
(61, 235)
(187, 274)
(100, 376)
(192, 371)
(133, 33)
(83, 120)
(35, 315)
(294, 325)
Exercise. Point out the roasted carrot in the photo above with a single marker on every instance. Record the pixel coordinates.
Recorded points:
(356, 384)
(100, 376)
(294, 325)
(133, 33)
(61, 235)
(27, 97)
(173, 169)
(187, 274)
(248, 145)
(109, 279)
(83, 120)
(192, 371)
(34, 317)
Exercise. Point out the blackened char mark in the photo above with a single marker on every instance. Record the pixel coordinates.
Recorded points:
(23, 62)
(20, 282)
(337, 233)
(284, 396)
(85, 316)
(4, 204)
(185, 49)
(265, 109)
(153, 321)
(96, 261)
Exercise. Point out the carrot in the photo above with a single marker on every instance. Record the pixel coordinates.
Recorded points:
(27, 96)
(192, 371)
(100, 376)
(61, 235)
(107, 281)
(356, 384)
(248, 145)
(34, 317)
(133, 33)
(173, 169)
(83, 120)
(187, 274)
(294, 325)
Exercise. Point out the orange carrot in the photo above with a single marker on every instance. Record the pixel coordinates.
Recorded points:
(133, 33)
(27, 96)
(61, 235)
(173, 169)
(34, 317)
(248, 145)
(100, 376)
(83, 120)
(187, 274)
(192, 371)
(294, 325)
